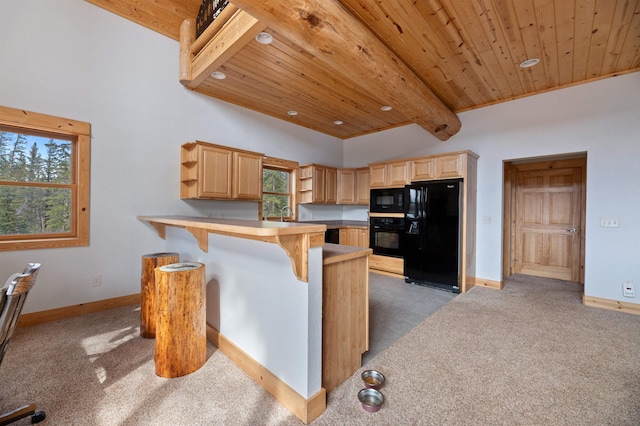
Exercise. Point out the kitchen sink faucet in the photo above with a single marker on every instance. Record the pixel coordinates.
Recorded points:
(282, 211)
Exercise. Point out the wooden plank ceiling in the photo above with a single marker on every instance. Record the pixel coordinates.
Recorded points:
(467, 52)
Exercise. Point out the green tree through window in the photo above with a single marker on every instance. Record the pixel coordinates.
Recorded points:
(35, 178)
(276, 194)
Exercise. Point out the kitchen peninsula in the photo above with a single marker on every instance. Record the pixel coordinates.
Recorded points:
(266, 282)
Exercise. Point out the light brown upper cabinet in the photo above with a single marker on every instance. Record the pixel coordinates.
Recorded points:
(438, 167)
(422, 169)
(317, 184)
(389, 174)
(331, 185)
(209, 171)
(353, 186)
(450, 166)
(362, 186)
(247, 175)
(346, 186)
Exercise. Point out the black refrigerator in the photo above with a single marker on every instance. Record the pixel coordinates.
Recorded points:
(431, 243)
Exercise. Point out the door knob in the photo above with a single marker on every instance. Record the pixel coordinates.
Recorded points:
(572, 230)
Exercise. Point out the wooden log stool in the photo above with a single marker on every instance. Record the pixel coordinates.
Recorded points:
(181, 334)
(148, 290)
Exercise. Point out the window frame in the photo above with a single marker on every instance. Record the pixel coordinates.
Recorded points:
(80, 133)
(291, 167)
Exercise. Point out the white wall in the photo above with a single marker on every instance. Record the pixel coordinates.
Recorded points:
(71, 59)
(601, 118)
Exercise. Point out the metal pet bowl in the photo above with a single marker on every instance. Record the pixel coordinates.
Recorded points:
(371, 399)
(372, 379)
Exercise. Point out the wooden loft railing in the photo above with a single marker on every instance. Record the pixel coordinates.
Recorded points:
(226, 35)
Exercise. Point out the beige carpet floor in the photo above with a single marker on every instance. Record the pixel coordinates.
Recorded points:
(530, 354)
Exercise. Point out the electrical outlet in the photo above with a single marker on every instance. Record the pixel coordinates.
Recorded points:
(96, 281)
(486, 220)
(609, 222)
(628, 289)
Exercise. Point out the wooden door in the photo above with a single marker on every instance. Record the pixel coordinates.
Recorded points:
(547, 226)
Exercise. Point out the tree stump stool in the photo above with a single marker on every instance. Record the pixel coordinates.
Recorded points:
(181, 334)
(148, 290)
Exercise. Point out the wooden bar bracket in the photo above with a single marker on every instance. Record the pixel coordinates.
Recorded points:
(297, 248)
(161, 228)
(202, 236)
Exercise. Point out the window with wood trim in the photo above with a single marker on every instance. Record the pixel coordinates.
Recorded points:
(278, 189)
(44, 181)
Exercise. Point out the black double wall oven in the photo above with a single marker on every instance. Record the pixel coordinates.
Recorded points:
(386, 223)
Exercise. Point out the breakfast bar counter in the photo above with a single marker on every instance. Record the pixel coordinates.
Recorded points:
(287, 308)
(295, 238)
(263, 298)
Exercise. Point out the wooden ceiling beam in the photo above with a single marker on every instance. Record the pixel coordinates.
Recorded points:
(342, 42)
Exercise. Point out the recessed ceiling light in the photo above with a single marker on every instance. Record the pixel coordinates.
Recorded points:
(386, 108)
(218, 75)
(529, 63)
(338, 122)
(292, 113)
(264, 38)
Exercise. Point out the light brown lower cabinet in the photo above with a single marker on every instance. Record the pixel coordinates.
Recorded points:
(387, 265)
(345, 312)
(357, 237)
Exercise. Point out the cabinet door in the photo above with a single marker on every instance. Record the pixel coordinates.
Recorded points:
(331, 185)
(214, 175)
(449, 166)
(363, 238)
(349, 236)
(398, 173)
(319, 191)
(362, 186)
(346, 186)
(247, 176)
(378, 175)
(422, 169)
(344, 237)
(356, 237)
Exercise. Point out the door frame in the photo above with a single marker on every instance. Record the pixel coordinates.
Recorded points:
(578, 159)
